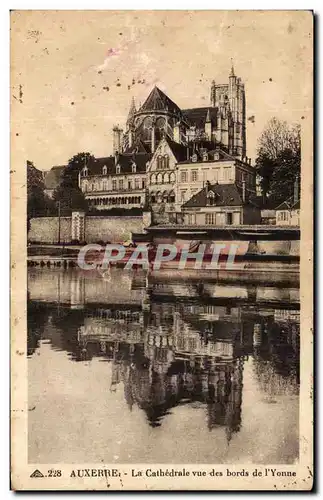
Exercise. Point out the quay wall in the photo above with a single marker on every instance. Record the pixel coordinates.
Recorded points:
(96, 229)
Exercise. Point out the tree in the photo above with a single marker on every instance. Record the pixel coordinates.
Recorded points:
(38, 203)
(68, 192)
(279, 159)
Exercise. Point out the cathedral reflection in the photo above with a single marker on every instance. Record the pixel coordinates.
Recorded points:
(175, 344)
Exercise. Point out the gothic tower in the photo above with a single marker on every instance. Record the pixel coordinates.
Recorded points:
(230, 101)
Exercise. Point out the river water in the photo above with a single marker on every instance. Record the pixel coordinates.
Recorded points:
(136, 367)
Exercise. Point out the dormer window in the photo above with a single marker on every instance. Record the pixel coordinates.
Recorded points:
(216, 156)
(205, 157)
(118, 169)
(104, 170)
(85, 171)
(133, 168)
(210, 198)
(194, 158)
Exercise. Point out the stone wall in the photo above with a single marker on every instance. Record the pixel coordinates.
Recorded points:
(99, 228)
(113, 229)
(46, 229)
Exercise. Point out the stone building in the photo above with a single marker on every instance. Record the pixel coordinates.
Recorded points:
(220, 205)
(215, 166)
(223, 122)
(117, 181)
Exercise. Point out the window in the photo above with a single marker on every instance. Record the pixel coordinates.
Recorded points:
(172, 177)
(210, 198)
(172, 197)
(104, 170)
(183, 176)
(210, 219)
(133, 168)
(205, 174)
(129, 184)
(229, 218)
(216, 174)
(118, 169)
(159, 179)
(205, 157)
(143, 183)
(194, 175)
(114, 184)
(85, 187)
(216, 156)
(166, 161)
(104, 185)
(153, 179)
(166, 178)
(194, 158)
(159, 162)
(227, 173)
(85, 171)
(92, 187)
(153, 198)
(120, 184)
(137, 183)
(183, 195)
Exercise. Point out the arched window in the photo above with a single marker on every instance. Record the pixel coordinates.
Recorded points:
(172, 177)
(171, 197)
(159, 197)
(159, 179)
(104, 185)
(165, 197)
(153, 179)
(85, 172)
(166, 161)
(166, 178)
(85, 186)
(104, 170)
(118, 169)
(153, 198)
(159, 162)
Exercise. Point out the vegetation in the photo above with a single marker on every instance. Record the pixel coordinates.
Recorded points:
(278, 161)
(38, 203)
(68, 193)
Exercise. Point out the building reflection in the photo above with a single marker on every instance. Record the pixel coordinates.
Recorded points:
(172, 344)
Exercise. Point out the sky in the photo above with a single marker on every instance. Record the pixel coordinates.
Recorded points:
(74, 73)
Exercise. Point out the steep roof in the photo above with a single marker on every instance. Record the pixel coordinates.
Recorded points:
(124, 160)
(159, 101)
(178, 150)
(198, 116)
(53, 177)
(225, 195)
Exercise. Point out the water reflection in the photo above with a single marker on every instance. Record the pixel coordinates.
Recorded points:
(175, 344)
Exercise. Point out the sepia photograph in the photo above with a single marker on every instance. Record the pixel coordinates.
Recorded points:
(162, 247)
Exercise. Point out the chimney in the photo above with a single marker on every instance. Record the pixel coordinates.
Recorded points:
(117, 136)
(296, 189)
(249, 161)
(243, 191)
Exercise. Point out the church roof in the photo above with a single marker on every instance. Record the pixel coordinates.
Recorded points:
(198, 116)
(158, 101)
(225, 195)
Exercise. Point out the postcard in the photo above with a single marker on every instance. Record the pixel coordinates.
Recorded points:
(161, 250)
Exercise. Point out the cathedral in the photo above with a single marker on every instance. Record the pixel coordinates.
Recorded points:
(221, 124)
